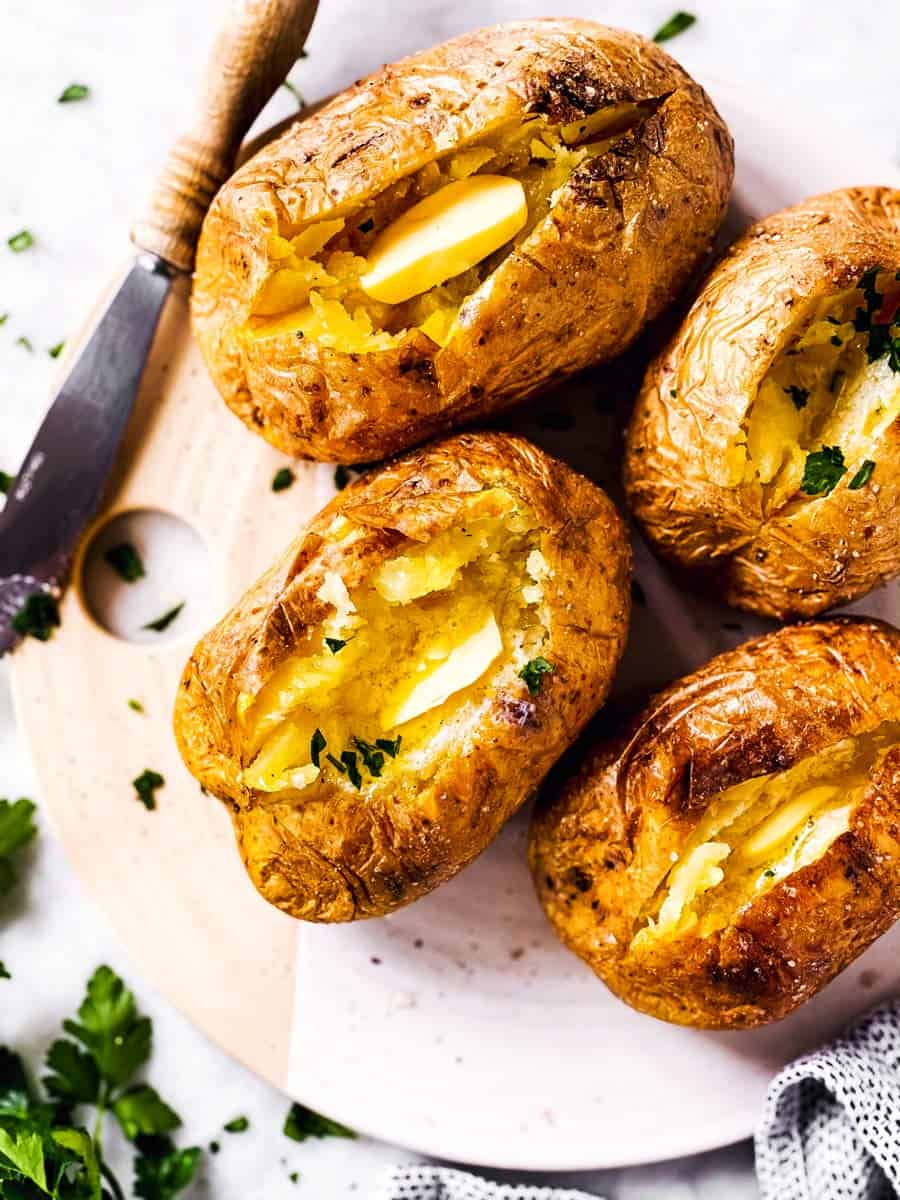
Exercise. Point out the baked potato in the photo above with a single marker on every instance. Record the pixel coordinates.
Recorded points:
(764, 448)
(740, 844)
(454, 232)
(389, 693)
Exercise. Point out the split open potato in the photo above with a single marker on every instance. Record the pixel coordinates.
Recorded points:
(764, 449)
(391, 691)
(740, 844)
(454, 232)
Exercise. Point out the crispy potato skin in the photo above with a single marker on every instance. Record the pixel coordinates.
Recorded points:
(806, 558)
(602, 842)
(623, 238)
(355, 855)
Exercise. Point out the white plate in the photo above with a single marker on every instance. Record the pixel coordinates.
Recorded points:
(460, 1026)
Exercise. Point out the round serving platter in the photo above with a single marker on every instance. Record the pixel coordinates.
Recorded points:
(459, 1027)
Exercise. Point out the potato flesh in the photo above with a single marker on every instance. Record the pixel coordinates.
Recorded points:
(317, 292)
(433, 628)
(755, 834)
(822, 391)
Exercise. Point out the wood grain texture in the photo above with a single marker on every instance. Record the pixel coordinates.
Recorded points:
(251, 56)
(170, 880)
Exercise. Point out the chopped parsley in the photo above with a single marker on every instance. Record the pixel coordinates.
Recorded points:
(348, 757)
(75, 91)
(676, 24)
(336, 763)
(56, 351)
(136, 706)
(302, 1123)
(6, 482)
(341, 477)
(880, 341)
(798, 395)
(146, 786)
(862, 476)
(38, 617)
(533, 673)
(125, 561)
(373, 760)
(769, 873)
(836, 341)
(283, 479)
(316, 746)
(301, 103)
(237, 1125)
(389, 746)
(822, 471)
(23, 240)
(335, 644)
(162, 623)
(25, 343)
(367, 226)
(4, 317)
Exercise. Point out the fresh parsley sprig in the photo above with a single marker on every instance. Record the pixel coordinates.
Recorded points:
(45, 1152)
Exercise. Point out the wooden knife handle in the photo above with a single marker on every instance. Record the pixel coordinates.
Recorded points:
(251, 57)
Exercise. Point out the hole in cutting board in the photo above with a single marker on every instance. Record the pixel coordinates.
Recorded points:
(177, 571)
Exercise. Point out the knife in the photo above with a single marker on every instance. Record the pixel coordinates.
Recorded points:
(61, 481)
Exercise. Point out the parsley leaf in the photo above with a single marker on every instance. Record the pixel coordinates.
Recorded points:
(316, 746)
(302, 1123)
(125, 560)
(16, 830)
(798, 395)
(822, 471)
(161, 1171)
(335, 644)
(23, 240)
(389, 746)
(37, 617)
(22, 1148)
(75, 91)
(75, 1078)
(56, 351)
(110, 1028)
(140, 1111)
(862, 476)
(237, 1125)
(146, 785)
(533, 671)
(676, 24)
(162, 623)
(16, 1098)
(283, 479)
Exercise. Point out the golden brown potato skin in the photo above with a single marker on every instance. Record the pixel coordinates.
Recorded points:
(601, 844)
(624, 236)
(351, 855)
(802, 560)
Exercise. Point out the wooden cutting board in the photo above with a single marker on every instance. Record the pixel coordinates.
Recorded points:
(476, 977)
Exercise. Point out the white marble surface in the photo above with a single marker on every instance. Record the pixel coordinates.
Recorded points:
(75, 175)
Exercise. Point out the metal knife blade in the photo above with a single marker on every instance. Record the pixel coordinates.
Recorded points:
(64, 473)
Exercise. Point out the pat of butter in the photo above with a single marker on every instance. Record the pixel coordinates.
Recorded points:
(443, 235)
(464, 665)
(787, 820)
